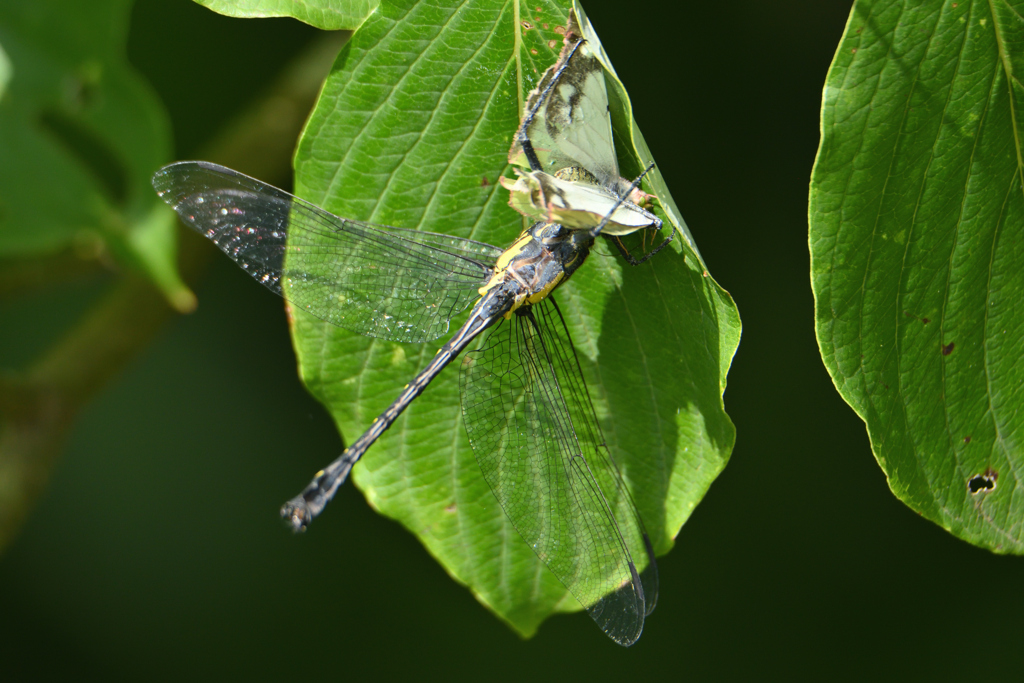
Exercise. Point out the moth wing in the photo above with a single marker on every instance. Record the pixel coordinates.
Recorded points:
(571, 126)
(575, 205)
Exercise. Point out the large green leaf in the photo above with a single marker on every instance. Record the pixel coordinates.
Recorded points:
(80, 134)
(330, 15)
(5, 71)
(413, 129)
(917, 245)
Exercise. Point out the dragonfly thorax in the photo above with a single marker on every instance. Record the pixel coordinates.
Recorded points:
(543, 257)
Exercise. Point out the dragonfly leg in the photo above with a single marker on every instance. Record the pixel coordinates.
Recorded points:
(632, 260)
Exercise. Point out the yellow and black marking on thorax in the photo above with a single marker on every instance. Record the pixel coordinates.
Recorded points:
(541, 259)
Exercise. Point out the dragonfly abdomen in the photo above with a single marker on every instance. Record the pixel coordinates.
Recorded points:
(540, 260)
(301, 509)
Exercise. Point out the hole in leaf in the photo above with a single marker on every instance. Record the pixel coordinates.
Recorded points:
(983, 482)
(90, 150)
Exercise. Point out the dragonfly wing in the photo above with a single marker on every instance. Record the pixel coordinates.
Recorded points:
(389, 283)
(539, 446)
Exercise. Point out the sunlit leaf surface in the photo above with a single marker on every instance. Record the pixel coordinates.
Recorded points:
(917, 220)
(413, 129)
(330, 15)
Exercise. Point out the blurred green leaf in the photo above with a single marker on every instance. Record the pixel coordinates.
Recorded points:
(413, 129)
(330, 15)
(80, 134)
(5, 71)
(917, 219)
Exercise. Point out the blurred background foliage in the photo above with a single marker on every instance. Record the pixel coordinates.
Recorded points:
(156, 549)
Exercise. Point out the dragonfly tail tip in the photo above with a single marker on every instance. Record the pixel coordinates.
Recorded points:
(297, 514)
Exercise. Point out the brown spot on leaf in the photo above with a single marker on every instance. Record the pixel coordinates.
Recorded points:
(484, 182)
(948, 348)
(967, 439)
(911, 315)
(853, 51)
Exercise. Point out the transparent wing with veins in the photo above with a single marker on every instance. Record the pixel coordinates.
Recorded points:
(384, 282)
(538, 443)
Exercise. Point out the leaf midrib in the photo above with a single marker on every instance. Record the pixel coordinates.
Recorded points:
(1004, 59)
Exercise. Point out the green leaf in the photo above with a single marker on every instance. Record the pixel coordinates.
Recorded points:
(5, 72)
(330, 15)
(413, 129)
(917, 246)
(80, 134)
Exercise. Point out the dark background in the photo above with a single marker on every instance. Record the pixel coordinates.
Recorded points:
(157, 553)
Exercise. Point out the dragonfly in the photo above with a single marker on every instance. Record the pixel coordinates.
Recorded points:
(526, 407)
